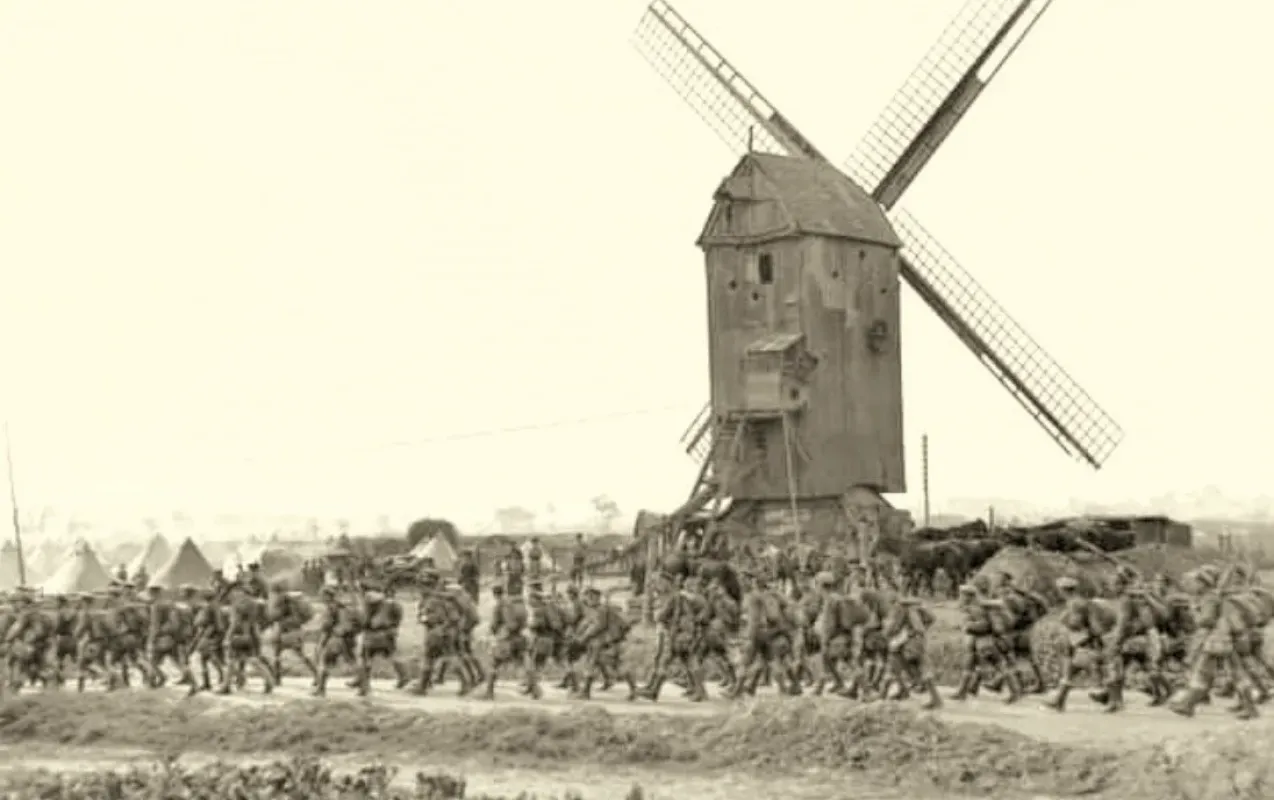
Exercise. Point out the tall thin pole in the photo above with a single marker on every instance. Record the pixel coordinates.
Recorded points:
(924, 474)
(13, 501)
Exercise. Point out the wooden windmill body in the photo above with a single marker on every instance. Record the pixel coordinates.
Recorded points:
(803, 432)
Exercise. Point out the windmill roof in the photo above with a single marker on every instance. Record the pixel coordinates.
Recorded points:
(817, 199)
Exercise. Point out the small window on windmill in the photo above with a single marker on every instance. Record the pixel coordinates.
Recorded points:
(765, 269)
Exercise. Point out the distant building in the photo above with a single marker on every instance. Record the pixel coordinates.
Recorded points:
(1152, 529)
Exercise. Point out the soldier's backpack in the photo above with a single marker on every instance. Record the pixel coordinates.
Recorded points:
(467, 612)
(919, 618)
(1262, 601)
(1101, 617)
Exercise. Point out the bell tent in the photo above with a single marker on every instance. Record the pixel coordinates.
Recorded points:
(186, 566)
(439, 549)
(154, 555)
(9, 577)
(81, 572)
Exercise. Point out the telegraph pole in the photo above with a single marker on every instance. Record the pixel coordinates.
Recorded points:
(13, 501)
(924, 474)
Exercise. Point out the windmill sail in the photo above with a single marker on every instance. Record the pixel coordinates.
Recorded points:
(734, 108)
(963, 62)
(1051, 396)
(938, 93)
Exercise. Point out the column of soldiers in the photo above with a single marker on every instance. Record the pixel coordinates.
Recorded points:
(833, 632)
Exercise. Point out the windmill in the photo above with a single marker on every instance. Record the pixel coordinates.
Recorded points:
(803, 431)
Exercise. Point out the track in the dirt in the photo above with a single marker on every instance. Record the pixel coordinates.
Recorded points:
(1084, 722)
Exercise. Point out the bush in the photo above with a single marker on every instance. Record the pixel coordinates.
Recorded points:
(298, 779)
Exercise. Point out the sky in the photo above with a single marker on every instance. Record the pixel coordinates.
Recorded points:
(295, 257)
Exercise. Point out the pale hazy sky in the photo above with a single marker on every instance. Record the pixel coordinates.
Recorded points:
(243, 244)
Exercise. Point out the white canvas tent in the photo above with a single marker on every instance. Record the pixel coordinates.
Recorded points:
(187, 565)
(81, 572)
(154, 555)
(9, 577)
(547, 562)
(439, 549)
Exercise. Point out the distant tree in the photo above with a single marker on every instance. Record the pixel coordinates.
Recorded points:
(427, 528)
(515, 519)
(607, 511)
(383, 524)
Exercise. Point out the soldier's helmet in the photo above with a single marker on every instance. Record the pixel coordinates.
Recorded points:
(1066, 584)
(497, 590)
(84, 597)
(968, 590)
(154, 590)
(825, 579)
(536, 587)
(373, 595)
(187, 589)
(327, 591)
(592, 593)
(572, 590)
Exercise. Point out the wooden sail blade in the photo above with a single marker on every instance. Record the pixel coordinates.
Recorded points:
(938, 93)
(734, 108)
(1035, 380)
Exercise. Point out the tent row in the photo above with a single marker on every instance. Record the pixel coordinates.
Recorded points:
(81, 570)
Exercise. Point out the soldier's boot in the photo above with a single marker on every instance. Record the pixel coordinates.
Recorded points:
(424, 681)
(1014, 686)
(932, 699)
(584, 689)
(1058, 701)
(651, 690)
(632, 686)
(401, 679)
(795, 686)
(533, 685)
(488, 692)
(1225, 690)
(1115, 698)
(1187, 702)
(1037, 674)
(276, 667)
(966, 686)
(1100, 696)
(362, 680)
(567, 683)
(1244, 708)
(1161, 690)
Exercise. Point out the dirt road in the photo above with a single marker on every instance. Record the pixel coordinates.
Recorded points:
(1084, 722)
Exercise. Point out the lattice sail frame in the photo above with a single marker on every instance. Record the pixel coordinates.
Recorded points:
(932, 101)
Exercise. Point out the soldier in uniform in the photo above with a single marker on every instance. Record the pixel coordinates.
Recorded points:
(601, 633)
(985, 624)
(27, 641)
(906, 632)
(1085, 623)
(90, 633)
(284, 629)
(545, 628)
(1024, 608)
(62, 649)
(242, 640)
(508, 647)
(338, 629)
(722, 626)
(514, 569)
(1133, 641)
(209, 634)
(468, 573)
(164, 633)
(380, 617)
(678, 615)
(1219, 624)
(767, 632)
(872, 653)
(435, 614)
(579, 561)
